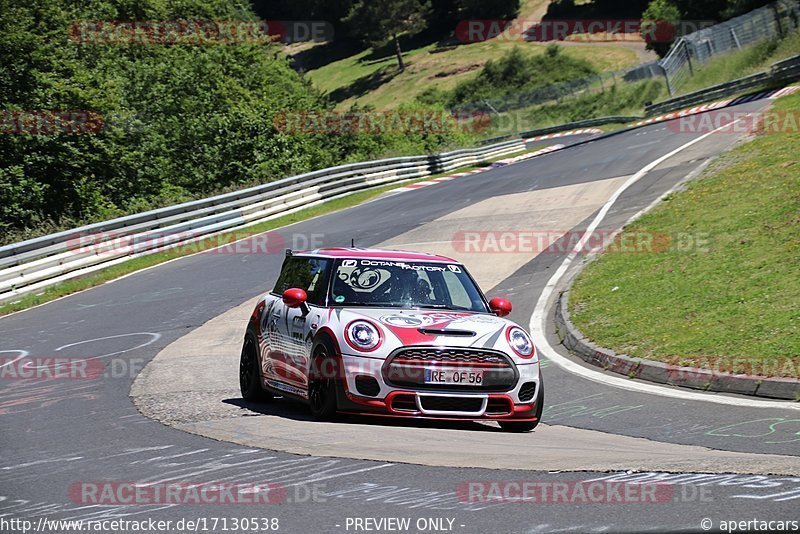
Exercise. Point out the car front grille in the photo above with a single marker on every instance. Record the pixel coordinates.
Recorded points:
(367, 386)
(527, 391)
(406, 368)
(456, 356)
(451, 404)
(404, 403)
(499, 406)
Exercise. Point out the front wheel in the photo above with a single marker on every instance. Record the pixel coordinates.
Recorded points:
(322, 382)
(250, 372)
(527, 426)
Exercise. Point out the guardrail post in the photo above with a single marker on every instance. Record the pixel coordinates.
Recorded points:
(689, 60)
(435, 164)
(736, 39)
(666, 78)
(776, 9)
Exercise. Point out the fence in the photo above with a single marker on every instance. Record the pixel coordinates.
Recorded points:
(772, 21)
(595, 83)
(32, 265)
(769, 22)
(781, 73)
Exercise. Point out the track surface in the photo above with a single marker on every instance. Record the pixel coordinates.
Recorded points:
(56, 433)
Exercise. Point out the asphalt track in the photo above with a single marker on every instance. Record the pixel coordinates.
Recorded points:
(59, 432)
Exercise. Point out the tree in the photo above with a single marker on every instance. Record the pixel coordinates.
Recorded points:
(481, 9)
(379, 21)
(659, 21)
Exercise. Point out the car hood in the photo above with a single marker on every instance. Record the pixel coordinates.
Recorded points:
(434, 327)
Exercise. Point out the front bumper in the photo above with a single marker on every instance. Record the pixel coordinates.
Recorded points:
(517, 403)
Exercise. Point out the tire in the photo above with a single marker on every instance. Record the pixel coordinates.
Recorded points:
(250, 371)
(323, 381)
(527, 426)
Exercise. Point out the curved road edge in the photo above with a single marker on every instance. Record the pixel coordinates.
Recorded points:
(664, 373)
(206, 402)
(542, 314)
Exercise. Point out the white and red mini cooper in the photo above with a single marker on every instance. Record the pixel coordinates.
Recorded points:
(390, 333)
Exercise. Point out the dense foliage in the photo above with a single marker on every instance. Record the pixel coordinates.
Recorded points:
(441, 18)
(178, 120)
(376, 23)
(514, 73)
(704, 11)
(709, 10)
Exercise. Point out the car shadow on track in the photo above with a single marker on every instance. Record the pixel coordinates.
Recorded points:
(289, 409)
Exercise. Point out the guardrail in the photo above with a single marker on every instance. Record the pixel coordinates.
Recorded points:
(775, 20)
(599, 121)
(35, 264)
(32, 265)
(782, 72)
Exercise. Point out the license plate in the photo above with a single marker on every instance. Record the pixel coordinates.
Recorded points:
(454, 376)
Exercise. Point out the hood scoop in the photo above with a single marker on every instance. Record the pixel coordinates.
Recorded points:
(446, 332)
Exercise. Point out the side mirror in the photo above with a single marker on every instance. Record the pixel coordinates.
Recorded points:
(295, 298)
(500, 307)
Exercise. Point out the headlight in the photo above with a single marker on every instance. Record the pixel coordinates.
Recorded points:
(363, 336)
(520, 342)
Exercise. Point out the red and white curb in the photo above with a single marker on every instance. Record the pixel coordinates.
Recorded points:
(584, 131)
(661, 118)
(435, 181)
(786, 91)
(717, 105)
(501, 163)
(685, 112)
(523, 157)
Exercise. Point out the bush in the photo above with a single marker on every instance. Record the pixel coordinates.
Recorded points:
(518, 71)
(178, 121)
(658, 13)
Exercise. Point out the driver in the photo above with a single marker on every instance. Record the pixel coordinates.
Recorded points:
(411, 288)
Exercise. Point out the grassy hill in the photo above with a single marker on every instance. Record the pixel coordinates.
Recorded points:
(371, 77)
(365, 80)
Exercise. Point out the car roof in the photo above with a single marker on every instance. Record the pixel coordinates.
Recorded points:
(374, 254)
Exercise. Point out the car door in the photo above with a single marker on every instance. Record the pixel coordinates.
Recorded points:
(289, 330)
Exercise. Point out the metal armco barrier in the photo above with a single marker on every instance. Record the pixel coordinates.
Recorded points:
(599, 121)
(32, 265)
(775, 20)
(782, 72)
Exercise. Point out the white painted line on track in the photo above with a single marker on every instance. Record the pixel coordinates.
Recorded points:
(539, 317)
(153, 338)
(22, 354)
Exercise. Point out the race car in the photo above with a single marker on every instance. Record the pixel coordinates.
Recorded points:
(389, 333)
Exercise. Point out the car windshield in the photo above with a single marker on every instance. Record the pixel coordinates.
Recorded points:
(400, 284)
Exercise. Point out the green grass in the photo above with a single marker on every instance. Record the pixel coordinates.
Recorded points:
(733, 299)
(750, 60)
(376, 82)
(621, 99)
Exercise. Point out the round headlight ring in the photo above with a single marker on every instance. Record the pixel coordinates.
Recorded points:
(520, 342)
(363, 336)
